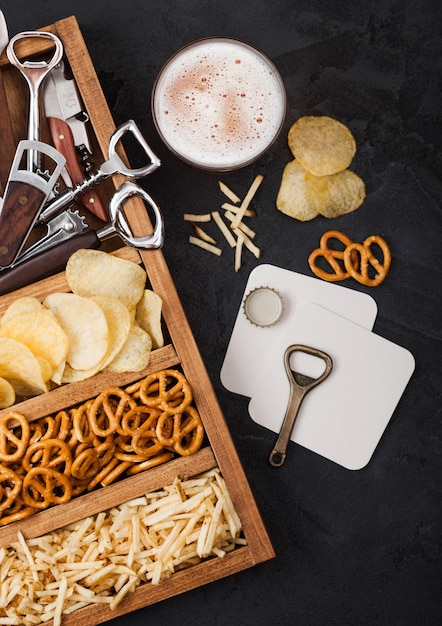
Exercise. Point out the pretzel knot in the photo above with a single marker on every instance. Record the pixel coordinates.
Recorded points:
(105, 412)
(367, 259)
(10, 487)
(353, 260)
(187, 433)
(14, 436)
(44, 486)
(51, 453)
(167, 390)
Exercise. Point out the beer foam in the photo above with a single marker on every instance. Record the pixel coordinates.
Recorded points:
(219, 103)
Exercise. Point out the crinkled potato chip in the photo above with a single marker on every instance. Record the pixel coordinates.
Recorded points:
(85, 324)
(41, 332)
(322, 145)
(135, 354)
(97, 273)
(7, 394)
(148, 316)
(336, 195)
(292, 198)
(25, 304)
(21, 368)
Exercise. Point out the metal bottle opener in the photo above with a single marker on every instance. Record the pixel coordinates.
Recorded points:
(25, 194)
(54, 259)
(300, 385)
(34, 73)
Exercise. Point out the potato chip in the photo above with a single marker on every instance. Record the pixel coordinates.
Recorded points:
(336, 195)
(24, 304)
(322, 145)
(21, 368)
(292, 198)
(118, 323)
(135, 354)
(148, 316)
(40, 331)
(7, 394)
(97, 273)
(85, 324)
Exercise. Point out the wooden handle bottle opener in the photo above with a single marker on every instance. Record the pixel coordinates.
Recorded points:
(300, 385)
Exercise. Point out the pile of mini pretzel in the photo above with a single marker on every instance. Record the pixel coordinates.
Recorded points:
(119, 433)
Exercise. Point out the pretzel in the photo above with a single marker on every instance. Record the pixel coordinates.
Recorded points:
(367, 259)
(44, 486)
(86, 464)
(164, 394)
(133, 419)
(10, 487)
(110, 410)
(17, 511)
(13, 446)
(51, 453)
(188, 432)
(352, 261)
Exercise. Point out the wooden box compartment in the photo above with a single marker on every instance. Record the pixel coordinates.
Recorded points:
(180, 351)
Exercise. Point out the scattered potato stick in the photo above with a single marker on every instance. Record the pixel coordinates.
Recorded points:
(193, 217)
(205, 246)
(248, 197)
(203, 235)
(234, 210)
(238, 251)
(228, 193)
(224, 229)
(46, 578)
(251, 247)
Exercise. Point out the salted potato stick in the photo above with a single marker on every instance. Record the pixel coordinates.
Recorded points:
(203, 235)
(251, 247)
(193, 217)
(234, 209)
(224, 229)
(229, 193)
(205, 246)
(248, 197)
(238, 251)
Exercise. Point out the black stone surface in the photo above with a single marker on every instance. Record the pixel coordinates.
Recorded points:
(353, 548)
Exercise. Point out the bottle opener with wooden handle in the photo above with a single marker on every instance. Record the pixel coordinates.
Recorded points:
(25, 195)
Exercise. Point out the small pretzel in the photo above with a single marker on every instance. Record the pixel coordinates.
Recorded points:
(132, 420)
(188, 432)
(170, 383)
(51, 453)
(334, 258)
(10, 487)
(86, 465)
(110, 410)
(80, 423)
(12, 445)
(368, 259)
(44, 486)
(17, 511)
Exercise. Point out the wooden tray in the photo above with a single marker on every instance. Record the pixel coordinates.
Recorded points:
(180, 350)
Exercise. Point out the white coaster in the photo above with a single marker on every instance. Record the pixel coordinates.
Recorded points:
(251, 346)
(344, 417)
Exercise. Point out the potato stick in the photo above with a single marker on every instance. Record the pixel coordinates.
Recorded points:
(192, 217)
(205, 246)
(28, 555)
(60, 601)
(238, 251)
(231, 208)
(241, 226)
(228, 192)
(203, 235)
(245, 203)
(251, 247)
(223, 228)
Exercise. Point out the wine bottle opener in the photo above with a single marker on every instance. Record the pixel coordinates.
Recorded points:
(25, 194)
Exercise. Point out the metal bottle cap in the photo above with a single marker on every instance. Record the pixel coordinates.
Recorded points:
(263, 306)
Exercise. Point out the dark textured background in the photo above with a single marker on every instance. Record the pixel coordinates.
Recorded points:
(356, 548)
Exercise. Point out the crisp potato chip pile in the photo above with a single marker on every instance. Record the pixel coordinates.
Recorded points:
(318, 181)
(103, 558)
(108, 321)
